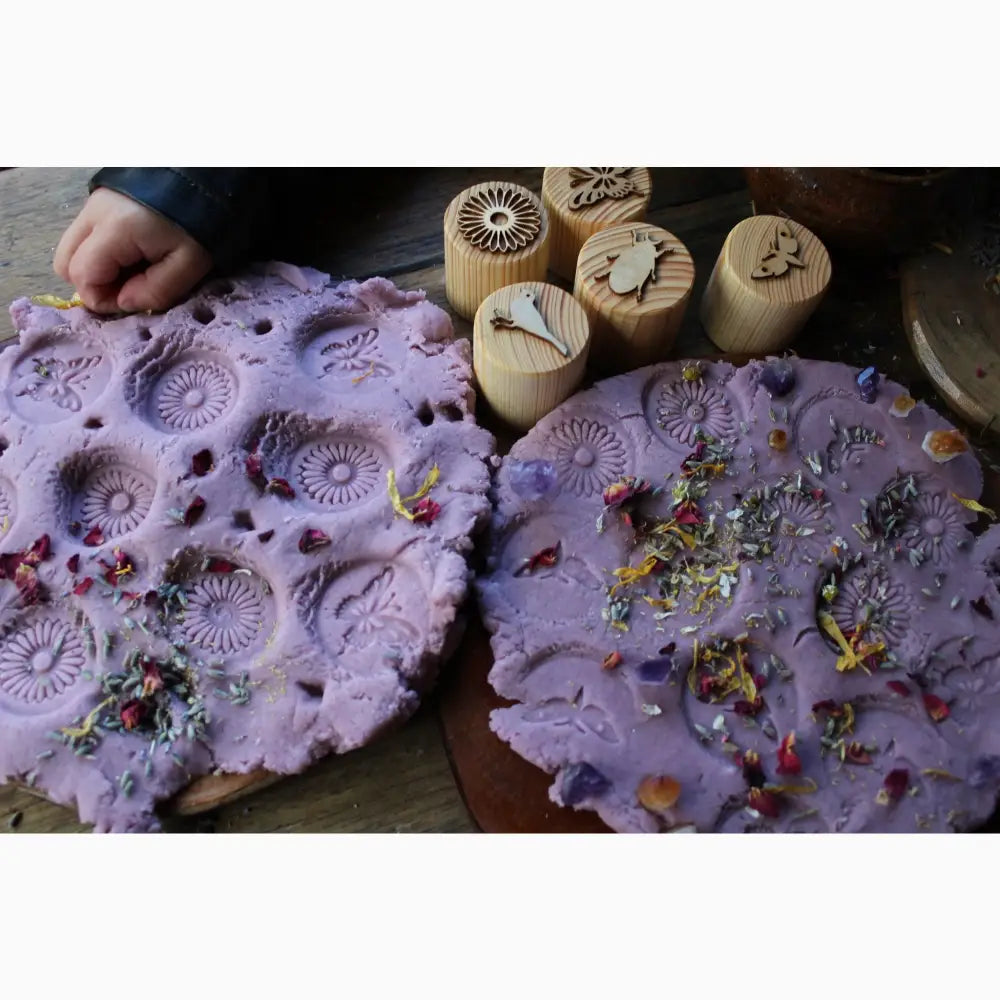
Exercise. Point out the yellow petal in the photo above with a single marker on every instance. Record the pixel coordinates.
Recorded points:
(976, 506)
(397, 504)
(57, 303)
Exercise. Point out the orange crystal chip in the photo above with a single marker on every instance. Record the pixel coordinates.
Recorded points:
(659, 792)
(778, 439)
(943, 446)
(902, 405)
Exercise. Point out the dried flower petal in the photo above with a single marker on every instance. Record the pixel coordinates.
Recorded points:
(132, 713)
(896, 782)
(789, 761)
(426, 511)
(658, 793)
(544, 557)
(688, 513)
(936, 708)
(28, 585)
(976, 506)
(943, 446)
(748, 708)
(766, 803)
(215, 565)
(152, 678)
(898, 687)
(122, 567)
(281, 488)
(194, 511)
(94, 537)
(624, 490)
(40, 550)
(312, 539)
(612, 660)
(255, 468)
(201, 462)
(55, 302)
(73, 563)
(83, 586)
(855, 753)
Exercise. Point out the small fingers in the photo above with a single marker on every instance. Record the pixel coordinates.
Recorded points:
(98, 260)
(167, 281)
(100, 298)
(78, 230)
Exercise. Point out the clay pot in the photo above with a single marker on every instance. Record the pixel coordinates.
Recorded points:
(862, 209)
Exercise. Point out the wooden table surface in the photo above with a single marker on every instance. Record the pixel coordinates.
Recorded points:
(404, 782)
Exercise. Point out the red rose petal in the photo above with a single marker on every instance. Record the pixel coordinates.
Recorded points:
(426, 511)
(898, 687)
(766, 803)
(40, 550)
(936, 708)
(280, 487)
(789, 761)
(152, 679)
(855, 753)
(28, 585)
(220, 566)
(312, 539)
(83, 586)
(94, 537)
(194, 511)
(132, 713)
(611, 661)
(896, 782)
(73, 563)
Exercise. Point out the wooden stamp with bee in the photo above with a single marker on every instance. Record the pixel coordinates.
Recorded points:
(771, 275)
(581, 201)
(634, 282)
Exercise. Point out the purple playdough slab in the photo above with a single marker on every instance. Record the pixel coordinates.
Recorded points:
(723, 656)
(226, 643)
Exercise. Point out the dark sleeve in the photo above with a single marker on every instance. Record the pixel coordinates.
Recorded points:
(223, 208)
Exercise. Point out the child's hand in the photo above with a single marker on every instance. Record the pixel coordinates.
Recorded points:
(123, 257)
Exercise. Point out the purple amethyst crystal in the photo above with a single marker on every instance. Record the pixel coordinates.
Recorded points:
(868, 385)
(532, 480)
(582, 781)
(778, 377)
(655, 671)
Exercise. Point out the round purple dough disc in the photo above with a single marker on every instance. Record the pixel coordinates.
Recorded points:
(808, 629)
(229, 586)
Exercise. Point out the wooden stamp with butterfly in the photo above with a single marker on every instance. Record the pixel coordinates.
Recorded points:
(780, 255)
(581, 201)
(770, 276)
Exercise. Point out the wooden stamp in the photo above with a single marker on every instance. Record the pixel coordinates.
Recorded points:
(581, 201)
(771, 275)
(529, 350)
(495, 234)
(634, 282)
